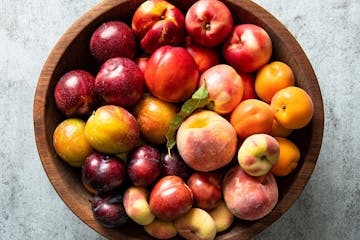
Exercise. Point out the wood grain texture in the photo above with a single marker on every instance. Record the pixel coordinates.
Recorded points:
(71, 52)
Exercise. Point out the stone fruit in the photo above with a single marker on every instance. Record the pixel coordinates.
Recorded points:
(293, 107)
(252, 116)
(154, 117)
(196, 224)
(271, 78)
(288, 159)
(247, 48)
(248, 197)
(109, 210)
(279, 131)
(206, 141)
(75, 93)
(144, 165)
(103, 173)
(112, 129)
(158, 23)
(173, 164)
(258, 153)
(224, 86)
(170, 198)
(70, 142)
(206, 188)
(141, 62)
(137, 206)
(171, 74)
(208, 22)
(120, 82)
(222, 217)
(161, 229)
(112, 39)
(205, 57)
(248, 81)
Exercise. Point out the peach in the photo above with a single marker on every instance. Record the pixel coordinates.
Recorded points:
(196, 224)
(222, 217)
(206, 141)
(161, 229)
(112, 129)
(248, 197)
(137, 206)
(224, 86)
(70, 142)
(154, 117)
(258, 153)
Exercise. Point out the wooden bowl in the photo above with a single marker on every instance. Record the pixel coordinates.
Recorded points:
(72, 52)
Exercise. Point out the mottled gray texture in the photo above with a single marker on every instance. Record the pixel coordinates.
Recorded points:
(329, 33)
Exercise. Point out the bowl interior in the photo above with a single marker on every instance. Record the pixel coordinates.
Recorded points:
(71, 52)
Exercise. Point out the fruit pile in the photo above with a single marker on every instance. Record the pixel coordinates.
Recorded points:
(185, 125)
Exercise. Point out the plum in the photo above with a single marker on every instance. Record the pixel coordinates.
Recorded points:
(109, 210)
(112, 39)
(144, 167)
(103, 173)
(173, 164)
(75, 93)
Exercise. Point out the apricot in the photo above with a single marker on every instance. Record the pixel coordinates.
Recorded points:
(248, 197)
(271, 78)
(252, 116)
(206, 141)
(70, 142)
(288, 158)
(279, 131)
(293, 107)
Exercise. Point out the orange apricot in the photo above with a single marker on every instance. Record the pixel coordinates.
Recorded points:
(288, 158)
(293, 107)
(252, 116)
(271, 78)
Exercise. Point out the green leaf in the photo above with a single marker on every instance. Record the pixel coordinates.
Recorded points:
(198, 100)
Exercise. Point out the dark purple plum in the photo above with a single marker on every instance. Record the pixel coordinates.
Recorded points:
(120, 82)
(109, 211)
(173, 164)
(112, 39)
(75, 93)
(143, 167)
(103, 173)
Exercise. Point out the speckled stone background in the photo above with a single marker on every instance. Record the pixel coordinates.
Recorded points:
(329, 207)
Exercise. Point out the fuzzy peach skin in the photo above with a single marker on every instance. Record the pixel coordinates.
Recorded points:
(225, 87)
(137, 206)
(247, 197)
(206, 141)
(258, 153)
(161, 229)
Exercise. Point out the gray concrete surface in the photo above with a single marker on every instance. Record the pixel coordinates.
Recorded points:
(328, 208)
